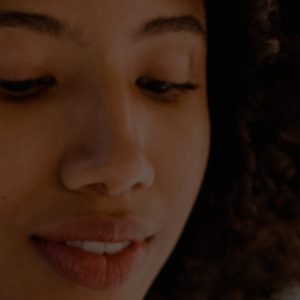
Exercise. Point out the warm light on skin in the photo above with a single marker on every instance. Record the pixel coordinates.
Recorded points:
(96, 127)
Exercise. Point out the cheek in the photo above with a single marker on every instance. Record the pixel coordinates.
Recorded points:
(31, 137)
(182, 164)
(19, 175)
(21, 161)
(27, 160)
(184, 173)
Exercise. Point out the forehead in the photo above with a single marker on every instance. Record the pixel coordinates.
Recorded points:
(106, 6)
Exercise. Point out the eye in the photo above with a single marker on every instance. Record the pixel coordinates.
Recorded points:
(22, 89)
(164, 90)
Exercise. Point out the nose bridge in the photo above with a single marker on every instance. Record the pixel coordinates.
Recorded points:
(116, 124)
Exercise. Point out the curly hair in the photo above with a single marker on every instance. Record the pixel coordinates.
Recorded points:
(243, 238)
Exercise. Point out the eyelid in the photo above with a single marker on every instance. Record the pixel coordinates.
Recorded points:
(13, 89)
(172, 83)
(39, 80)
(166, 91)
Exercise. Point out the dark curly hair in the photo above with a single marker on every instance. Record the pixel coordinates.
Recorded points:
(243, 238)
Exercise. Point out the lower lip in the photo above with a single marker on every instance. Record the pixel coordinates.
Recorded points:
(91, 270)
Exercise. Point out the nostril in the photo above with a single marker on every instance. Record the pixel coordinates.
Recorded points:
(99, 187)
(138, 186)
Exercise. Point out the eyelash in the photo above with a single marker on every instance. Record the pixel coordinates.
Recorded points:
(165, 90)
(23, 89)
(158, 89)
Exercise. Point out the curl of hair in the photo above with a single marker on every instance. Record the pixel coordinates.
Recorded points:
(243, 238)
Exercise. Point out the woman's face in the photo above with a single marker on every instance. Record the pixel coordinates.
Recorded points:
(104, 134)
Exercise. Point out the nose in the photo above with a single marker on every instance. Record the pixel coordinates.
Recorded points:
(109, 157)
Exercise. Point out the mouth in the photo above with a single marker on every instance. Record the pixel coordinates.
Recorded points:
(95, 254)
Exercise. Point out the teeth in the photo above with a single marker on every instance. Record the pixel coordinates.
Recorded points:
(75, 244)
(115, 247)
(94, 247)
(98, 247)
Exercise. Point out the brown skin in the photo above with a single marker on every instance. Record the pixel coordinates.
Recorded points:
(96, 127)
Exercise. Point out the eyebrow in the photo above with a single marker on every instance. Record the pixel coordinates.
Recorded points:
(163, 25)
(38, 23)
(49, 25)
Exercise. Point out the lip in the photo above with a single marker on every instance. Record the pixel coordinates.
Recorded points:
(92, 270)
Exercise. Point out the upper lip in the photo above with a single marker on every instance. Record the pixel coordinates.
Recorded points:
(101, 229)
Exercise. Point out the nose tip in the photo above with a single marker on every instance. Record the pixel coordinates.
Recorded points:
(128, 176)
(119, 172)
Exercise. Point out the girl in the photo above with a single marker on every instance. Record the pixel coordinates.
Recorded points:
(105, 138)
(104, 131)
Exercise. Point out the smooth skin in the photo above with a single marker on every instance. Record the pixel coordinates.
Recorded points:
(97, 139)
